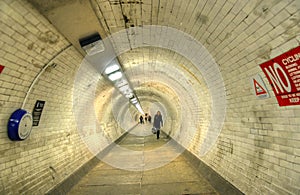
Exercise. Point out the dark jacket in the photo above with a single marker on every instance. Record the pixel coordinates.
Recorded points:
(158, 122)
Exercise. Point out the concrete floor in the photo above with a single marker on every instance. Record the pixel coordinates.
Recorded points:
(137, 173)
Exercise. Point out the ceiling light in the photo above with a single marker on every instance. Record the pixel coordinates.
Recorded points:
(138, 106)
(111, 69)
(115, 76)
(131, 97)
(92, 44)
(134, 100)
(128, 95)
(124, 88)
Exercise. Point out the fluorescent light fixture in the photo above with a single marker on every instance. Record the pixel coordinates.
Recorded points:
(128, 95)
(134, 101)
(111, 69)
(115, 76)
(131, 96)
(92, 44)
(138, 106)
(94, 48)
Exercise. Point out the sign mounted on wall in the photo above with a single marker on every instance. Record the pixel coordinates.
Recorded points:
(19, 125)
(259, 87)
(37, 112)
(1, 68)
(283, 74)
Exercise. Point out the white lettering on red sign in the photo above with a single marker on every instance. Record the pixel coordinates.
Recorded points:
(283, 74)
(276, 80)
(291, 59)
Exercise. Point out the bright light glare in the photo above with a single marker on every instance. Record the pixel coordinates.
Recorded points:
(134, 101)
(111, 69)
(138, 106)
(115, 76)
(129, 95)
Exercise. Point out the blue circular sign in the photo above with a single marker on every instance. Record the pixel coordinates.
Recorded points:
(19, 125)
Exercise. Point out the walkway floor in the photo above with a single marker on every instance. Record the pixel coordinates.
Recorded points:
(146, 165)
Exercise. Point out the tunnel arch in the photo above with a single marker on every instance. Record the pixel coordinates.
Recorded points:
(161, 36)
(258, 142)
(211, 73)
(214, 83)
(185, 89)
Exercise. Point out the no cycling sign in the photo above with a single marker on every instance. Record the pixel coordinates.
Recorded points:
(283, 74)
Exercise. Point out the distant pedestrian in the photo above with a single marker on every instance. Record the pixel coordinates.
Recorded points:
(141, 119)
(146, 118)
(158, 123)
(149, 118)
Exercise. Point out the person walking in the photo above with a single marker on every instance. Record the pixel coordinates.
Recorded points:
(158, 123)
(146, 117)
(149, 118)
(141, 119)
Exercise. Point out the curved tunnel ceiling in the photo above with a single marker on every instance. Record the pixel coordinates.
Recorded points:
(172, 68)
(149, 54)
(171, 51)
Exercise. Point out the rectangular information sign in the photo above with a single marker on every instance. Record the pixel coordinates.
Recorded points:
(37, 112)
(283, 74)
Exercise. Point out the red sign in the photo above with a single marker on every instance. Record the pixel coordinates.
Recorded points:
(259, 90)
(1, 68)
(283, 73)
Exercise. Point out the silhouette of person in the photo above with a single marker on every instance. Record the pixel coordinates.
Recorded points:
(149, 118)
(158, 123)
(141, 119)
(146, 118)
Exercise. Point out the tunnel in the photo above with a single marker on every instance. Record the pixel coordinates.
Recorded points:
(225, 75)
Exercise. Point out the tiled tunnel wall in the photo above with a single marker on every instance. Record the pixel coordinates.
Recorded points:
(257, 150)
(54, 149)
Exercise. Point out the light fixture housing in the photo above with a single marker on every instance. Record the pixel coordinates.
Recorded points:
(111, 69)
(138, 106)
(92, 44)
(115, 76)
